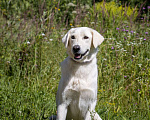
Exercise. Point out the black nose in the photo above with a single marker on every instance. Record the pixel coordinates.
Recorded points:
(76, 48)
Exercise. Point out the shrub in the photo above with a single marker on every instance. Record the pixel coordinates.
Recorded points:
(112, 9)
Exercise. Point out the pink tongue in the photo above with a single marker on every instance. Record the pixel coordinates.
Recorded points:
(77, 56)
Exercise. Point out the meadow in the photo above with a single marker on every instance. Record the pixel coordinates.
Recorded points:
(31, 51)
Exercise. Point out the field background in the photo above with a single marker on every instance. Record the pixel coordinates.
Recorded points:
(31, 51)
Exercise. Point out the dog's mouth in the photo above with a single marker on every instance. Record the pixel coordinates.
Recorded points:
(78, 56)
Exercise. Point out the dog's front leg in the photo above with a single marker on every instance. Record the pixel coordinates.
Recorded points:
(92, 114)
(61, 112)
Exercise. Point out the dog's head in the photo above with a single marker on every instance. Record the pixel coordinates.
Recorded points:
(81, 43)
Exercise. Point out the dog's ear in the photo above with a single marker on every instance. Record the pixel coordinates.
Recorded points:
(65, 39)
(97, 38)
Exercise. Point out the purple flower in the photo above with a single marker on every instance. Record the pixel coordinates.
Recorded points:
(125, 38)
(127, 26)
(125, 76)
(117, 28)
(131, 31)
(19, 59)
(144, 39)
(139, 90)
(146, 33)
(142, 18)
(143, 8)
(127, 30)
(148, 7)
(112, 48)
(123, 30)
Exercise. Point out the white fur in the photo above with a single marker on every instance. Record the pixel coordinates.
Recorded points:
(77, 91)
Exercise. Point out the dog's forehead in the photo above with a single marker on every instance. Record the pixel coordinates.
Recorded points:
(82, 31)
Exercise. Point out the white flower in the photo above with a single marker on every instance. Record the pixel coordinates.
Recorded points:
(104, 59)
(74, 12)
(139, 65)
(92, 23)
(133, 55)
(20, 111)
(51, 39)
(28, 42)
(43, 34)
(71, 5)
(8, 61)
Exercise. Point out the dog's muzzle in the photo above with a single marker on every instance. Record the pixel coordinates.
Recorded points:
(77, 55)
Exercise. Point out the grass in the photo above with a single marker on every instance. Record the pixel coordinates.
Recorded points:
(31, 51)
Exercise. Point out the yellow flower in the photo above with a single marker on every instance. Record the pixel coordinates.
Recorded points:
(70, 24)
(55, 7)
(111, 103)
(58, 9)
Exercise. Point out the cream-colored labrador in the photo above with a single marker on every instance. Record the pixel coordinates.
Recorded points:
(77, 91)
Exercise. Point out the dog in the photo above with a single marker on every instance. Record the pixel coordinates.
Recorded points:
(77, 91)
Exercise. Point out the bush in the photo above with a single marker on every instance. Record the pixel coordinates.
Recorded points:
(113, 10)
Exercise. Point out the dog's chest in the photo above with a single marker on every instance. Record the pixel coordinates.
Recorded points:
(80, 78)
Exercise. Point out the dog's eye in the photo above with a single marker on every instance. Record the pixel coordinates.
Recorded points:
(86, 37)
(72, 37)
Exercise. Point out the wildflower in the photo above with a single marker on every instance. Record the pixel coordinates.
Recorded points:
(70, 24)
(148, 7)
(51, 39)
(127, 26)
(104, 59)
(58, 9)
(139, 90)
(139, 65)
(71, 5)
(146, 33)
(131, 31)
(125, 38)
(127, 30)
(19, 59)
(92, 22)
(117, 28)
(143, 8)
(133, 56)
(144, 39)
(125, 76)
(8, 61)
(112, 47)
(19, 111)
(28, 42)
(74, 12)
(43, 34)
(123, 30)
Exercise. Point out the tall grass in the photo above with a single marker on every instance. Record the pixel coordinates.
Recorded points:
(31, 50)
